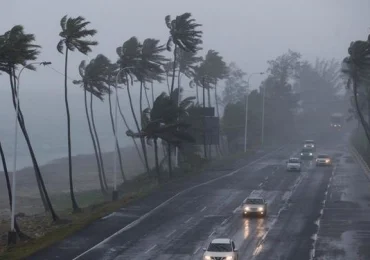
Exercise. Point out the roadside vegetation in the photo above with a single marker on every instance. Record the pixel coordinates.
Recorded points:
(276, 111)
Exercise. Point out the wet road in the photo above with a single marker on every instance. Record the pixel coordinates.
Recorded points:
(320, 213)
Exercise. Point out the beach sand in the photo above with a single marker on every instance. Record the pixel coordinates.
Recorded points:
(55, 174)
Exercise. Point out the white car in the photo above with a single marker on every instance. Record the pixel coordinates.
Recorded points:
(221, 249)
(309, 144)
(255, 206)
(293, 164)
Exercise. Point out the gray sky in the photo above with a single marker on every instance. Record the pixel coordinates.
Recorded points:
(244, 31)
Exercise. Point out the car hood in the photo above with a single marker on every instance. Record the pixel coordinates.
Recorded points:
(254, 205)
(293, 163)
(218, 254)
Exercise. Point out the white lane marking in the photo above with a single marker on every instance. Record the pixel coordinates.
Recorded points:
(150, 249)
(171, 233)
(224, 222)
(203, 209)
(317, 222)
(260, 184)
(108, 216)
(211, 233)
(237, 209)
(196, 250)
(266, 178)
(189, 219)
(139, 220)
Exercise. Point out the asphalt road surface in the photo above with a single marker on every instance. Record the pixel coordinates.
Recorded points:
(319, 213)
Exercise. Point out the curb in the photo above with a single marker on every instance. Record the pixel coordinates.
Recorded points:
(361, 161)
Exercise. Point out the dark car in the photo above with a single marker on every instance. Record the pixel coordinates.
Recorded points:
(323, 160)
(307, 154)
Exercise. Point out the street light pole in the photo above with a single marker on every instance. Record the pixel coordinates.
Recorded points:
(263, 115)
(12, 233)
(246, 111)
(115, 192)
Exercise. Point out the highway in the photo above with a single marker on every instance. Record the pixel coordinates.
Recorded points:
(306, 214)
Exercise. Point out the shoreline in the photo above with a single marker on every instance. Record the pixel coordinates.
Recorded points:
(55, 175)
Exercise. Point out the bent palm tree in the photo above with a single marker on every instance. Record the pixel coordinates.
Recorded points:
(85, 85)
(17, 48)
(184, 35)
(73, 37)
(159, 123)
(357, 67)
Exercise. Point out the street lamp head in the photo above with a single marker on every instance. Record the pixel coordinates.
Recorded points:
(45, 63)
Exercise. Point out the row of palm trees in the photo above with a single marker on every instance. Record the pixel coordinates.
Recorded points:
(138, 63)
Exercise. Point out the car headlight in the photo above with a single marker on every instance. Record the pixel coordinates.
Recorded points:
(229, 258)
(207, 257)
(301, 153)
(260, 209)
(310, 153)
(327, 161)
(246, 208)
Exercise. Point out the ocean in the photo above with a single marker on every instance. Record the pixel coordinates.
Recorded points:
(45, 117)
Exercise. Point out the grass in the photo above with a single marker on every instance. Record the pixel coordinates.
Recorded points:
(135, 189)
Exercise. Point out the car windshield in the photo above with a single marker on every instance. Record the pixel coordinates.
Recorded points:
(309, 142)
(218, 247)
(294, 160)
(323, 156)
(254, 201)
(307, 151)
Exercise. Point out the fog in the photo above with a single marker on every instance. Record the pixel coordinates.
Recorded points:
(246, 32)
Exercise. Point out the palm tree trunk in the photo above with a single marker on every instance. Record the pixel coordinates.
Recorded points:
(102, 188)
(174, 69)
(209, 105)
(146, 96)
(138, 128)
(153, 92)
(21, 235)
(204, 122)
(363, 121)
(156, 159)
(133, 139)
(142, 139)
(169, 160)
(73, 198)
(197, 90)
(39, 179)
(13, 86)
(178, 118)
(114, 132)
(97, 142)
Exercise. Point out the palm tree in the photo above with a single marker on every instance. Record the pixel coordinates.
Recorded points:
(95, 80)
(73, 37)
(184, 35)
(357, 67)
(17, 48)
(217, 70)
(160, 123)
(129, 60)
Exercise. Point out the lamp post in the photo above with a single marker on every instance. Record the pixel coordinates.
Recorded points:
(246, 111)
(12, 234)
(115, 193)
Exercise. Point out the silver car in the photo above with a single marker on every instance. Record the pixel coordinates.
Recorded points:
(221, 249)
(255, 206)
(293, 164)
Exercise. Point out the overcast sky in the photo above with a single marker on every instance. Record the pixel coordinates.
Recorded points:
(247, 32)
